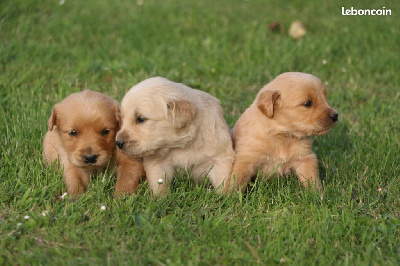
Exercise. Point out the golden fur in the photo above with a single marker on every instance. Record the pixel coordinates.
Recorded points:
(175, 127)
(272, 135)
(81, 136)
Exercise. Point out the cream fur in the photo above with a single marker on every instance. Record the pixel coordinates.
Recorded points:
(184, 128)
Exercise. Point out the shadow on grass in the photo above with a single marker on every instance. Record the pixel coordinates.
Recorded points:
(331, 148)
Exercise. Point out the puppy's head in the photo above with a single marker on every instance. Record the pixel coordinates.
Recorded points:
(296, 102)
(155, 117)
(86, 123)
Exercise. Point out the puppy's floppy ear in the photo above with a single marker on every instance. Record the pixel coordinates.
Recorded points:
(266, 102)
(118, 116)
(181, 112)
(53, 119)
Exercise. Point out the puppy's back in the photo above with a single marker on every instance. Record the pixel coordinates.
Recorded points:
(202, 101)
(169, 90)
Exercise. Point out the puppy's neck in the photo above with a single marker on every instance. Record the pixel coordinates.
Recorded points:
(290, 135)
(281, 132)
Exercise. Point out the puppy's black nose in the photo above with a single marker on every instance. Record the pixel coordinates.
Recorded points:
(91, 158)
(119, 143)
(334, 117)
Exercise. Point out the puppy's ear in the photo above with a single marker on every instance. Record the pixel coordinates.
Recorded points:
(53, 119)
(118, 117)
(181, 112)
(266, 102)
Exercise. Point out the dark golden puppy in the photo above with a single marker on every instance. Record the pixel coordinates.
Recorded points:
(81, 135)
(273, 133)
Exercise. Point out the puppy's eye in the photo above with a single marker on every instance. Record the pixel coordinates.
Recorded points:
(105, 132)
(140, 120)
(308, 103)
(73, 133)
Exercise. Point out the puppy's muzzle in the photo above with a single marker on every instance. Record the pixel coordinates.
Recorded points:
(90, 159)
(120, 144)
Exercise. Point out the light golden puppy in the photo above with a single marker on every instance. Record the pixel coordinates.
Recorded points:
(273, 134)
(175, 127)
(81, 136)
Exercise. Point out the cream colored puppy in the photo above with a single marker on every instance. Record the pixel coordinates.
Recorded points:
(273, 134)
(173, 126)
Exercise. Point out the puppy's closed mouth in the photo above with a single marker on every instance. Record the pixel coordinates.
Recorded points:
(144, 154)
(323, 131)
(91, 161)
(130, 148)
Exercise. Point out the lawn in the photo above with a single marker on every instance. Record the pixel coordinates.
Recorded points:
(49, 49)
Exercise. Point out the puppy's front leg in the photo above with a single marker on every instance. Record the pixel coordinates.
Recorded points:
(129, 173)
(307, 172)
(159, 177)
(242, 171)
(220, 173)
(76, 180)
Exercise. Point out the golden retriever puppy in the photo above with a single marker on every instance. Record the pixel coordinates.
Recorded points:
(175, 127)
(273, 134)
(81, 136)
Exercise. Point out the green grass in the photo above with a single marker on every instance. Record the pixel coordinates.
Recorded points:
(48, 51)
